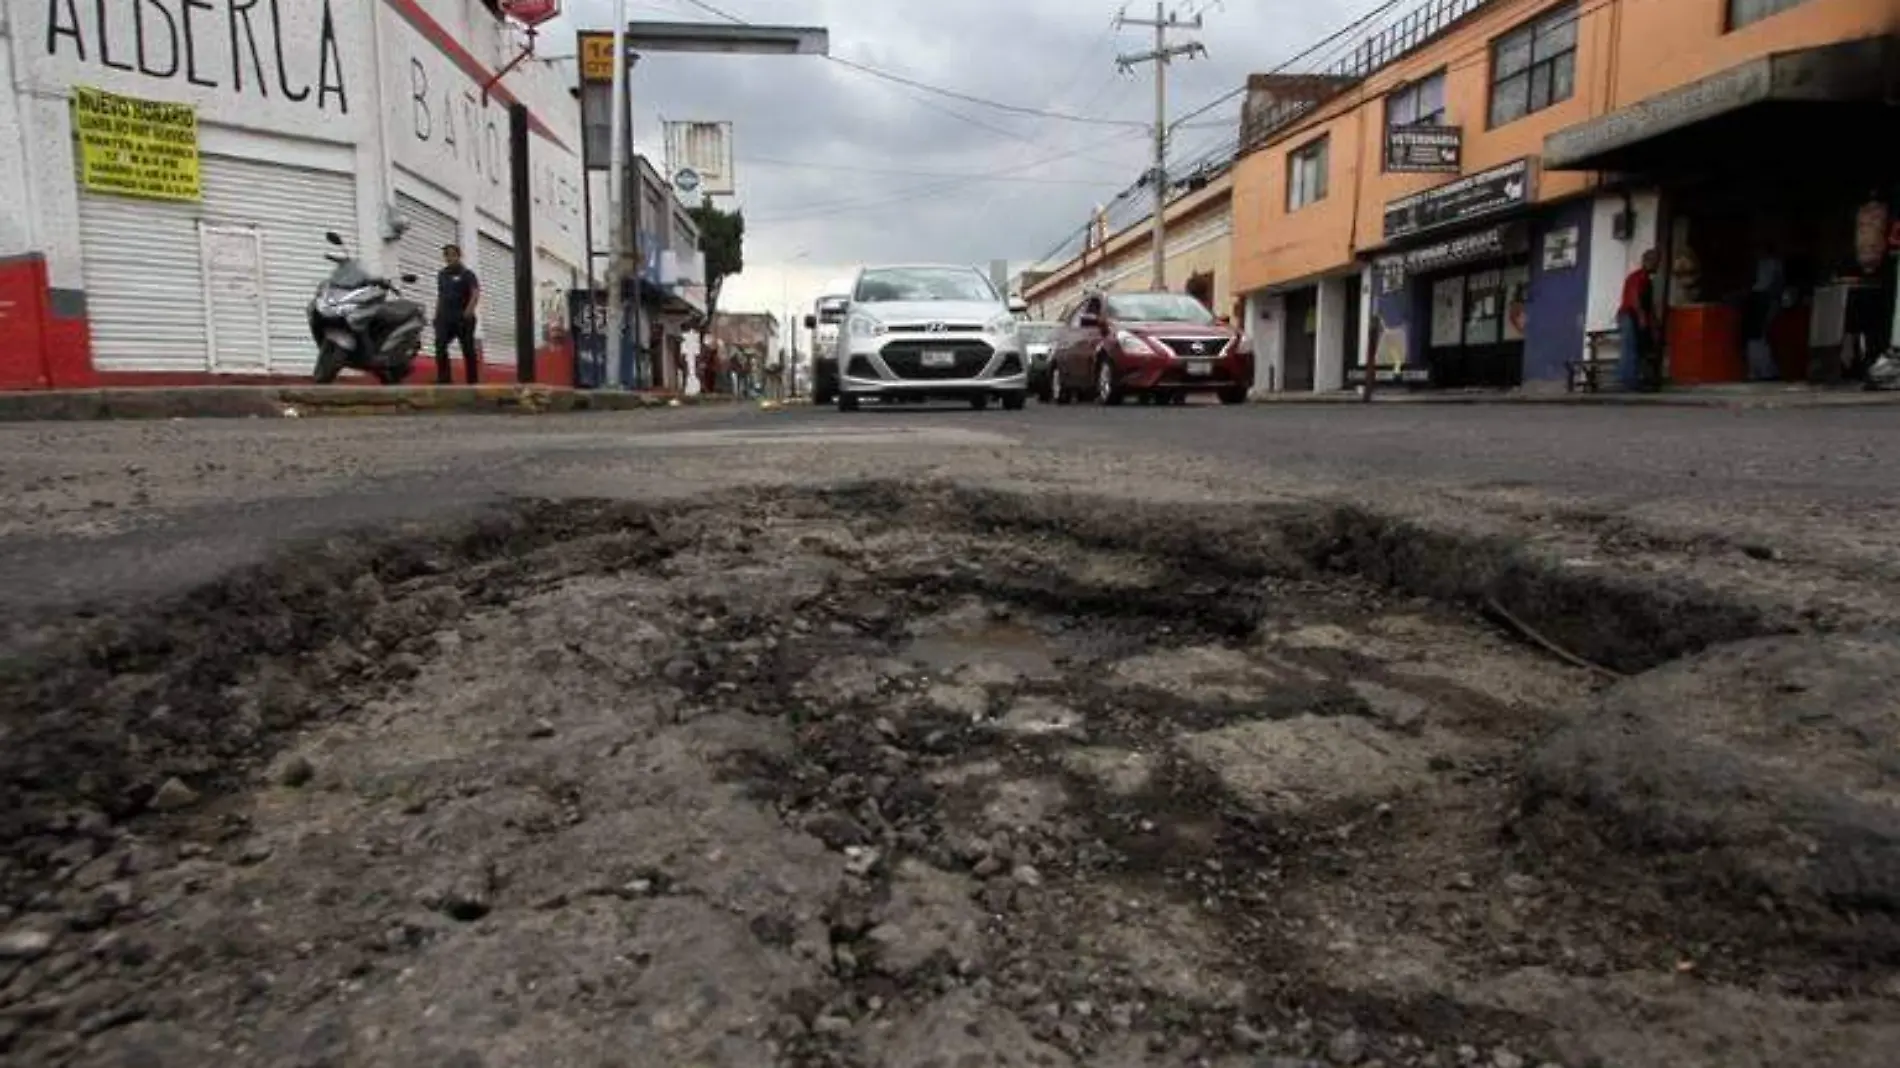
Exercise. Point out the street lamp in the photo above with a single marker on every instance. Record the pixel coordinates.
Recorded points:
(790, 369)
(674, 37)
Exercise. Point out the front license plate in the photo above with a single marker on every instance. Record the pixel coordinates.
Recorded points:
(939, 358)
(1200, 367)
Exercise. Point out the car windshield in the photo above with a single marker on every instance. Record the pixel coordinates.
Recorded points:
(1037, 333)
(1158, 308)
(892, 284)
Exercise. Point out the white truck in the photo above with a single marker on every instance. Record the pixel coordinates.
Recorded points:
(826, 319)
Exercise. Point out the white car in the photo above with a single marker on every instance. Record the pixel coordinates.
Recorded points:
(919, 333)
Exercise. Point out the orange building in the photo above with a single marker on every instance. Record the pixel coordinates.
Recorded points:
(1463, 195)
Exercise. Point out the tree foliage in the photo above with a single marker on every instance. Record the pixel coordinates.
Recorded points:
(722, 239)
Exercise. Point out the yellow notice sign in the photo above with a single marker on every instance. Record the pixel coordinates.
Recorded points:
(136, 148)
(597, 57)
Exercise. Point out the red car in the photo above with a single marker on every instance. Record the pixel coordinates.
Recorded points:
(1158, 347)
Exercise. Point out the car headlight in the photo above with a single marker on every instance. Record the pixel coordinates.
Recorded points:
(865, 326)
(1132, 345)
(1003, 326)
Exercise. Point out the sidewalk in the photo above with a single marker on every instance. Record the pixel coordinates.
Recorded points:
(1740, 395)
(290, 402)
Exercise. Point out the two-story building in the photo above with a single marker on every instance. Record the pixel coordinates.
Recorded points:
(1197, 253)
(172, 166)
(1462, 196)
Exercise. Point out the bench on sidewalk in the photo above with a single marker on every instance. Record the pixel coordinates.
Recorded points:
(1586, 372)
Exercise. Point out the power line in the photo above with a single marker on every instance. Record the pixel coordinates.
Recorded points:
(824, 210)
(767, 161)
(1356, 24)
(953, 94)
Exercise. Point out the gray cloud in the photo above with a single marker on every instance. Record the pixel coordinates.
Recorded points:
(849, 127)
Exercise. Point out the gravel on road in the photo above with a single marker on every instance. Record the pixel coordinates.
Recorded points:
(929, 741)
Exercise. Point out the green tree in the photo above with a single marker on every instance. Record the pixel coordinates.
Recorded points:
(722, 239)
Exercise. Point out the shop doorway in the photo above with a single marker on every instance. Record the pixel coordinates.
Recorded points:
(1475, 327)
(1352, 346)
(1302, 339)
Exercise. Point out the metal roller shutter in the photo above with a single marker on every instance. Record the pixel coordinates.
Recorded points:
(497, 319)
(151, 303)
(292, 208)
(419, 252)
(145, 299)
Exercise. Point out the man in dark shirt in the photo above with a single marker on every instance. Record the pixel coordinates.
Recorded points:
(457, 294)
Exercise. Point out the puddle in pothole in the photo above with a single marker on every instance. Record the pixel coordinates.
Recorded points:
(1000, 650)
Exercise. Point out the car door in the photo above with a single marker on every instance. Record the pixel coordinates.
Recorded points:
(1079, 368)
(1065, 337)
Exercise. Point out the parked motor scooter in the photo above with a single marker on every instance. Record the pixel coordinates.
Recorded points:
(361, 321)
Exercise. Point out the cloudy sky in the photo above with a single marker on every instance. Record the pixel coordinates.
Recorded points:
(836, 167)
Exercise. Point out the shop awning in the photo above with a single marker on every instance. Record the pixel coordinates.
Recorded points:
(1731, 106)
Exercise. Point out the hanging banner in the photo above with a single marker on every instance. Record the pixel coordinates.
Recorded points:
(136, 148)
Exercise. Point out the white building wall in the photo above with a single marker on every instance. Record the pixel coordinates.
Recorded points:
(355, 81)
(1266, 325)
(1611, 259)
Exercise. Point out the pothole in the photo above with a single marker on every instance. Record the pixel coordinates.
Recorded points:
(891, 774)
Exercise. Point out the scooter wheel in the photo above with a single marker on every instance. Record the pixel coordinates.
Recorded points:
(330, 362)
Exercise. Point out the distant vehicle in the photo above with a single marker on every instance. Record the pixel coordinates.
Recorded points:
(1038, 345)
(361, 320)
(919, 333)
(1156, 347)
(825, 322)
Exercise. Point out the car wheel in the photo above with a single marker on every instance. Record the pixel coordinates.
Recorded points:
(979, 402)
(1015, 402)
(1107, 390)
(1057, 388)
(1179, 399)
(847, 402)
(1233, 395)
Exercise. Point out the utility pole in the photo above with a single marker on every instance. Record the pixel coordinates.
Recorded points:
(618, 142)
(1162, 55)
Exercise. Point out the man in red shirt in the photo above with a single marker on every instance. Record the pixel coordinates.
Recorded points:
(1636, 323)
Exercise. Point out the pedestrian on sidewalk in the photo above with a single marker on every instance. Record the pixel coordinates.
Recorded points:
(1636, 324)
(457, 296)
(1764, 306)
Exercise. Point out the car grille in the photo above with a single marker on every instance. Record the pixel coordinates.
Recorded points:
(906, 359)
(1011, 365)
(860, 367)
(1184, 346)
(942, 328)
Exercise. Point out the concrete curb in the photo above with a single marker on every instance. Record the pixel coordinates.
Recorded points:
(1685, 399)
(280, 402)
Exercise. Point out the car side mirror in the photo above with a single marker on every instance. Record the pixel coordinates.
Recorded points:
(408, 279)
(1018, 305)
(811, 322)
(333, 237)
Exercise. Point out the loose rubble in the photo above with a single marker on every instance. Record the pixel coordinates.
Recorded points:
(884, 777)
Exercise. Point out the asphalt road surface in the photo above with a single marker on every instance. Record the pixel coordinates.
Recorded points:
(1289, 736)
(100, 510)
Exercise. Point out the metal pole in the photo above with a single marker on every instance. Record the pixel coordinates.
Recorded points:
(616, 197)
(521, 175)
(1161, 151)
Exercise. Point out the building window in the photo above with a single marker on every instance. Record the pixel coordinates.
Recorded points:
(1743, 12)
(1306, 175)
(1421, 103)
(1534, 66)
